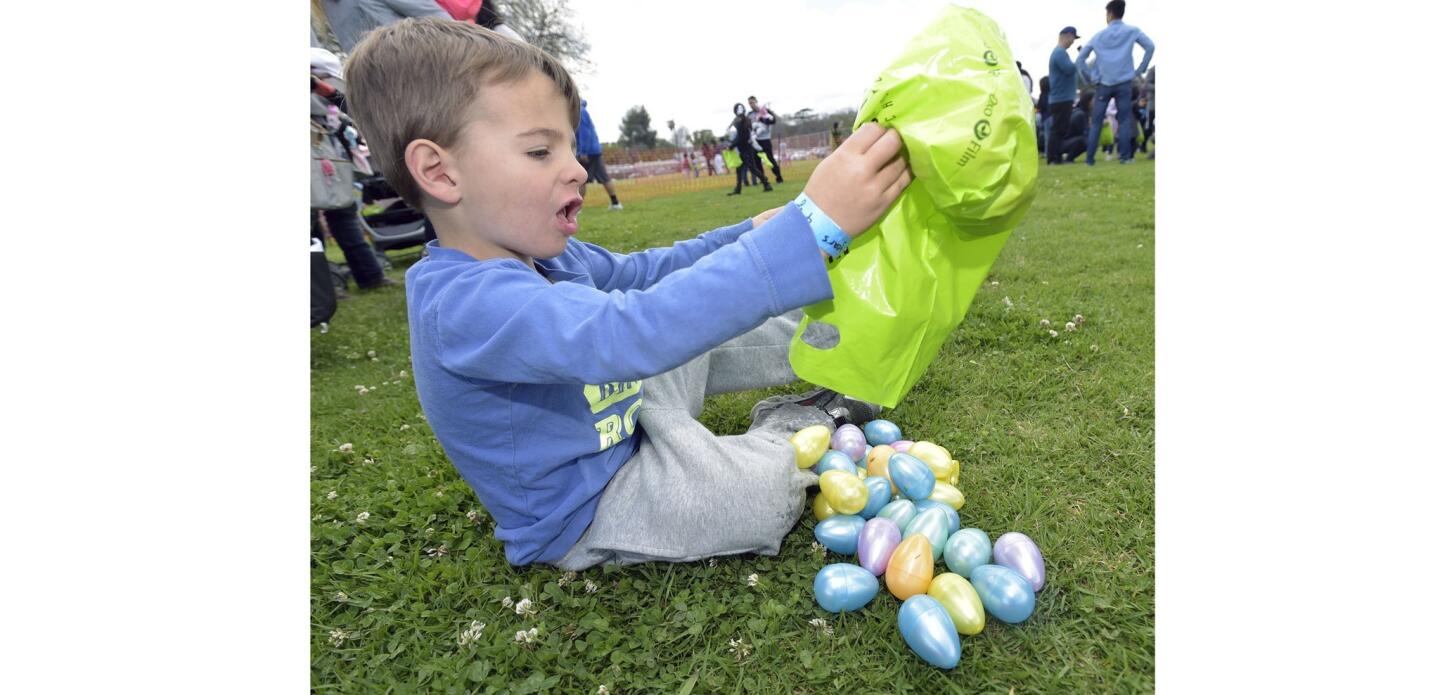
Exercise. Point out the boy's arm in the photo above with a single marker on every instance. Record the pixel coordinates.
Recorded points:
(572, 333)
(638, 271)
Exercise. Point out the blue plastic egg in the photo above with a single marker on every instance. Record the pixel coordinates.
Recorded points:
(902, 512)
(931, 524)
(952, 517)
(912, 476)
(929, 631)
(840, 533)
(845, 587)
(967, 549)
(879, 496)
(1004, 593)
(835, 461)
(879, 432)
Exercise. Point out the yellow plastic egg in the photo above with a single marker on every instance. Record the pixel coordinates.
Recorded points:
(955, 477)
(960, 600)
(934, 456)
(846, 493)
(822, 508)
(810, 444)
(949, 495)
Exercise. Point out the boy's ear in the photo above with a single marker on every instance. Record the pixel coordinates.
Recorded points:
(433, 169)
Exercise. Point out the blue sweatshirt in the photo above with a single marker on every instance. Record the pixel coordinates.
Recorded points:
(531, 385)
(1062, 75)
(587, 141)
(1114, 47)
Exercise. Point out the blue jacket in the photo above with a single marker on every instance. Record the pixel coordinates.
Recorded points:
(1062, 75)
(531, 385)
(587, 141)
(1114, 47)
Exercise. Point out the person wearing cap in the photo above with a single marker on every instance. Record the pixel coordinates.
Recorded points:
(1114, 48)
(1062, 94)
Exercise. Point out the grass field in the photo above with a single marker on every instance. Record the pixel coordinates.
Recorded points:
(1056, 436)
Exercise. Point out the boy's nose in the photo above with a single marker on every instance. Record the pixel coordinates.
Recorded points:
(576, 172)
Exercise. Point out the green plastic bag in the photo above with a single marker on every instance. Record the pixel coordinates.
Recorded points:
(732, 159)
(962, 110)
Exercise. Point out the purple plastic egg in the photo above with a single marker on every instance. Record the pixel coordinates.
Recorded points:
(1016, 551)
(902, 445)
(878, 539)
(850, 440)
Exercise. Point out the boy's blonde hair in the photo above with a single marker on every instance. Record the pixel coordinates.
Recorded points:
(418, 78)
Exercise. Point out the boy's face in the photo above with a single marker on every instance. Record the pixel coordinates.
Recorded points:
(520, 182)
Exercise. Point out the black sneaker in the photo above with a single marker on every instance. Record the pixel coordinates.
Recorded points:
(842, 409)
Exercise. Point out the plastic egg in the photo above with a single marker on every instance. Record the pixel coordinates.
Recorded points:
(958, 597)
(902, 444)
(810, 443)
(877, 462)
(911, 568)
(835, 461)
(932, 525)
(948, 495)
(879, 432)
(902, 512)
(879, 496)
(846, 493)
(929, 631)
(967, 549)
(955, 476)
(1018, 552)
(844, 587)
(877, 543)
(934, 456)
(850, 440)
(1004, 593)
(911, 476)
(822, 508)
(840, 533)
(952, 517)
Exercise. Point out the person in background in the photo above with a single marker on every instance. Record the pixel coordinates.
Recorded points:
(1042, 116)
(1114, 48)
(351, 20)
(1062, 95)
(763, 120)
(588, 151)
(1029, 83)
(744, 143)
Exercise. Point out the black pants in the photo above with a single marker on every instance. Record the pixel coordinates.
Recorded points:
(749, 161)
(1060, 123)
(774, 162)
(344, 226)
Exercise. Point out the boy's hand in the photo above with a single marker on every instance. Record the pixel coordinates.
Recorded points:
(763, 217)
(856, 184)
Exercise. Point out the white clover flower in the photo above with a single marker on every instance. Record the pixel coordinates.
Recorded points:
(1079, 319)
(363, 391)
(525, 607)
(1054, 334)
(370, 353)
(359, 387)
(752, 580)
(402, 373)
(1007, 302)
(565, 578)
(361, 517)
(472, 633)
(507, 602)
(602, 690)
(711, 562)
(522, 636)
(823, 626)
(369, 460)
(994, 283)
(1127, 411)
(346, 448)
(441, 551)
(473, 516)
(817, 548)
(429, 531)
(740, 649)
(341, 596)
(439, 493)
(331, 495)
(1094, 348)
(1044, 323)
(338, 637)
(1069, 326)
(404, 427)
(591, 587)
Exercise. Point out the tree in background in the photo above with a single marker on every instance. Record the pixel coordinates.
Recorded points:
(635, 129)
(548, 25)
(703, 137)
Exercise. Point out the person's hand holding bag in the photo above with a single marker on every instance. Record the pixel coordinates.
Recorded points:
(856, 184)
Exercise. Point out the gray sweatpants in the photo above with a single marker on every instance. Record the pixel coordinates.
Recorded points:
(687, 494)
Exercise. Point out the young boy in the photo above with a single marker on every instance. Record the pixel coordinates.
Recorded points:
(564, 380)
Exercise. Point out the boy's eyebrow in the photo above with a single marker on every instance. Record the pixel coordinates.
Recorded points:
(548, 133)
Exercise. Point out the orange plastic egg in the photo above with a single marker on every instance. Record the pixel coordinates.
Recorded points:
(878, 463)
(911, 567)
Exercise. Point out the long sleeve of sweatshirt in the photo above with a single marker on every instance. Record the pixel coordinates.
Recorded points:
(638, 271)
(506, 323)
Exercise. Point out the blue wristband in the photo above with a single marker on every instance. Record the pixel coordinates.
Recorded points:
(832, 240)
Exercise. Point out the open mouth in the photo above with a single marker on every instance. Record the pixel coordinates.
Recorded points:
(570, 211)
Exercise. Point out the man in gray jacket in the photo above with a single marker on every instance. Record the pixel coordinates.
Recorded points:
(1114, 69)
(351, 20)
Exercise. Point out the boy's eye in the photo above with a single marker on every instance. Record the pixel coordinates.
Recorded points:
(539, 154)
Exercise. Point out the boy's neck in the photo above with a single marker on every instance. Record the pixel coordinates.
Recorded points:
(479, 249)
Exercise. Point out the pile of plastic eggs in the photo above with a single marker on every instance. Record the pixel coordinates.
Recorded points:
(894, 505)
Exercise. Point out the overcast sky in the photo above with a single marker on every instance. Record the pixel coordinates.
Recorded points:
(691, 61)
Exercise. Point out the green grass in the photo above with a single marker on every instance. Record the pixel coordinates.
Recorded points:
(1056, 436)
